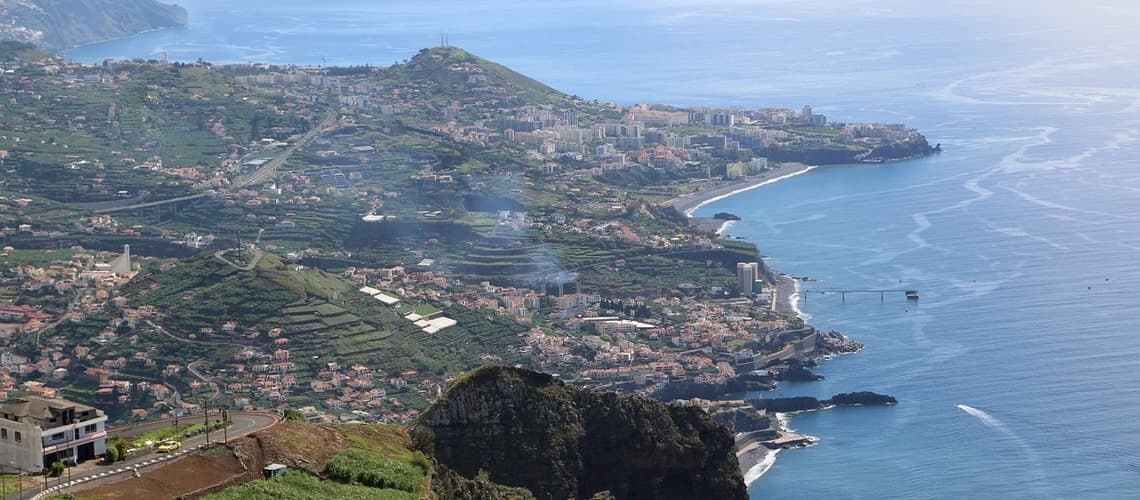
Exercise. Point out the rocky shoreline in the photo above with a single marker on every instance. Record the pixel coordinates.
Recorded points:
(762, 434)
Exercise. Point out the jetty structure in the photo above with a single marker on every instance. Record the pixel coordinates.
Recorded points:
(909, 293)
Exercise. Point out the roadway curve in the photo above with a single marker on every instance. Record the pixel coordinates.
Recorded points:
(243, 423)
(253, 178)
(190, 367)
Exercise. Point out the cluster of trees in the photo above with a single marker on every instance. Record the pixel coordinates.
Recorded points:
(630, 310)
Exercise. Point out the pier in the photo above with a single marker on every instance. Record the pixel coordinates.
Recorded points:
(910, 294)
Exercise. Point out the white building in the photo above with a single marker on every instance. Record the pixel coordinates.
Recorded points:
(35, 431)
(122, 265)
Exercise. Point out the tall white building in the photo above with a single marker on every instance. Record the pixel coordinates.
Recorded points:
(746, 274)
(122, 265)
(35, 431)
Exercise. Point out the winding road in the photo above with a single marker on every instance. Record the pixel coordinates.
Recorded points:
(253, 178)
(242, 424)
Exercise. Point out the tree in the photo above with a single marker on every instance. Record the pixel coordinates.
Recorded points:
(112, 455)
(292, 415)
(56, 469)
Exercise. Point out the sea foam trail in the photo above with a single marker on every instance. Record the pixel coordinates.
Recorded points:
(1036, 467)
(986, 418)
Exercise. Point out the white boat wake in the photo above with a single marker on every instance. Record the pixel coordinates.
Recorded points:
(986, 418)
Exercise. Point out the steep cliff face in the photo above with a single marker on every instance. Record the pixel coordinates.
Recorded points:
(530, 430)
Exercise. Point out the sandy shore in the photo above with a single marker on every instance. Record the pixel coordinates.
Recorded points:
(709, 193)
(755, 459)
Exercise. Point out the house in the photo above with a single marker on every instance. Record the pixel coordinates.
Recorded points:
(35, 432)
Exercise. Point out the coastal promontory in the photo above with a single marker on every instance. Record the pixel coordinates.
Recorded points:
(529, 429)
(58, 25)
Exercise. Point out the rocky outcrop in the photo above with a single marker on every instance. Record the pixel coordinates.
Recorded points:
(795, 370)
(449, 485)
(688, 389)
(742, 419)
(804, 403)
(530, 430)
(861, 398)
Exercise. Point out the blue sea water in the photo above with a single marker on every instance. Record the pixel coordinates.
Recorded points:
(1022, 237)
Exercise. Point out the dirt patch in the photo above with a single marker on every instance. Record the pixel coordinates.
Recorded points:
(309, 447)
(187, 475)
(295, 444)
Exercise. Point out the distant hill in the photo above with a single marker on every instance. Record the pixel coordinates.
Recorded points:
(452, 72)
(58, 25)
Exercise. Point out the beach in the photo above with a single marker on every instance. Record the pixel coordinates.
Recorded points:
(755, 458)
(755, 455)
(688, 203)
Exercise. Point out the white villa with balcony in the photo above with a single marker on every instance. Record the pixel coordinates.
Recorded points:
(35, 431)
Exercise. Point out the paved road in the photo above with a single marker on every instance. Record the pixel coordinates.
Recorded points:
(277, 161)
(243, 424)
(253, 178)
(193, 369)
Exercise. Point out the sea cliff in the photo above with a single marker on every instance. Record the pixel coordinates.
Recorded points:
(531, 430)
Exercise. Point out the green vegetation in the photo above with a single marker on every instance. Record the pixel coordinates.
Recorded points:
(296, 485)
(537, 432)
(368, 461)
(175, 432)
(206, 292)
(8, 483)
(433, 65)
(372, 468)
(69, 23)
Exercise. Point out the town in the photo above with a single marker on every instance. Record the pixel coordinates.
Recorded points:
(345, 242)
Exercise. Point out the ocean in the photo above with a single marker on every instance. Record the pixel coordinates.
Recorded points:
(1018, 369)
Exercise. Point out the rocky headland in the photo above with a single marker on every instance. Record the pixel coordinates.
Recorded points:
(531, 430)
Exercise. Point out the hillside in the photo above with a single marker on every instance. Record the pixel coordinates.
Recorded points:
(325, 461)
(208, 307)
(453, 73)
(58, 25)
(531, 430)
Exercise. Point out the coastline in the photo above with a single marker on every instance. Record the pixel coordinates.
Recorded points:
(755, 459)
(689, 203)
(64, 52)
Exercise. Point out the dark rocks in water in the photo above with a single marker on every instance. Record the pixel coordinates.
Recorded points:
(862, 398)
(726, 216)
(786, 405)
(805, 403)
(530, 430)
(795, 371)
